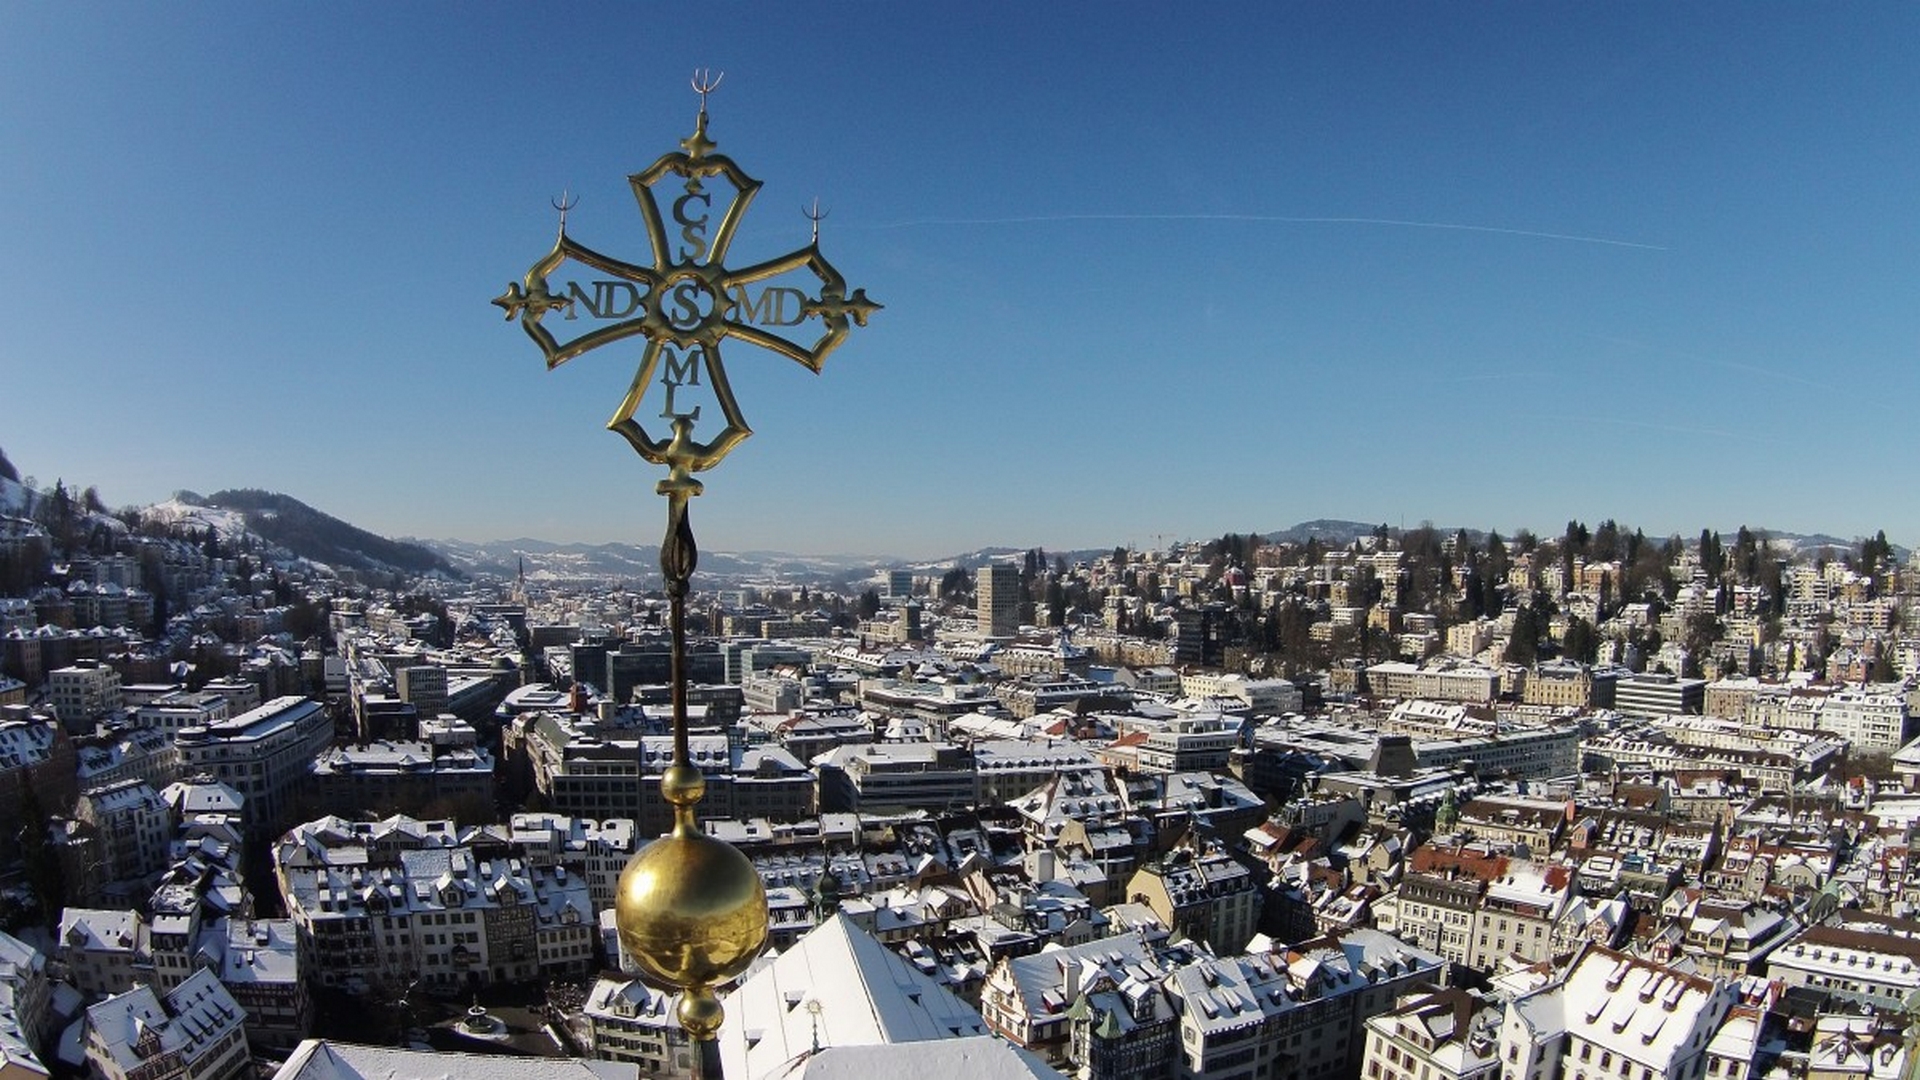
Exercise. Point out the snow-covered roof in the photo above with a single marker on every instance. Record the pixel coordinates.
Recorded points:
(322, 1059)
(978, 1057)
(837, 986)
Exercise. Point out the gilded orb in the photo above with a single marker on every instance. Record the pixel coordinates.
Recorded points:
(691, 910)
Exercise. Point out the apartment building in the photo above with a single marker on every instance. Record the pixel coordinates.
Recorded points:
(263, 753)
(1298, 1011)
(1449, 1034)
(195, 1032)
(400, 900)
(1612, 1014)
(83, 692)
(1653, 694)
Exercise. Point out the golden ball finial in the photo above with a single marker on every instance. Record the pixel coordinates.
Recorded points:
(692, 912)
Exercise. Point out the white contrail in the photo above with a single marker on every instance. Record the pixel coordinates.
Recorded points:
(1269, 218)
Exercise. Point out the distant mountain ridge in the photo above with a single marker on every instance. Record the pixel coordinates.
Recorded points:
(639, 563)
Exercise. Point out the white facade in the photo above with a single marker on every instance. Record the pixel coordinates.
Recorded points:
(195, 1033)
(263, 754)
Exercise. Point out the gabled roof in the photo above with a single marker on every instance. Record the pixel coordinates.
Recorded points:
(836, 987)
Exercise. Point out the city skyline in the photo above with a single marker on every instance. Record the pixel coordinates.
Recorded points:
(1494, 267)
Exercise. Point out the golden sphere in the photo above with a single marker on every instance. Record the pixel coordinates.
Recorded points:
(700, 1015)
(691, 910)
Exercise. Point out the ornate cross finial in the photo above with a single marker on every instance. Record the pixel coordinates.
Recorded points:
(686, 302)
(691, 909)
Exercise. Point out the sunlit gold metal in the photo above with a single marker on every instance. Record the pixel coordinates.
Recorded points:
(691, 910)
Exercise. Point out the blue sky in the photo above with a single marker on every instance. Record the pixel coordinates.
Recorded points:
(1149, 269)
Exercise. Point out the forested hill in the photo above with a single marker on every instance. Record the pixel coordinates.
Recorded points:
(292, 524)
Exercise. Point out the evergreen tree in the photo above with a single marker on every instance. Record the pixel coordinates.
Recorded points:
(1582, 642)
(1711, 558)
(1605, 545)
(61, 517)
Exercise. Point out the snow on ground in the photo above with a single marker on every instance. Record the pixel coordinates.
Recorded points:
(225, 523)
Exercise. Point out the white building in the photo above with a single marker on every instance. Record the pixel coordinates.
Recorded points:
(263, 754)
(1613, 1015)
(97, 947)
(1298, 1011)
(133, 825)
(1263, 697)
(82, 692)
(599, 850)
(404, 900)
(195, 1033)
(25, 991)
(627, 1020)
(1450, 1034)
(1873, 959)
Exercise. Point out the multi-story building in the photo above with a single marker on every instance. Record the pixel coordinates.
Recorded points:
(1438, 901)
(98, 948)
(627, 1020)
(1009, 769)
(424, 686)
(400, 900)
(595, 770)
(195, 1032)
(596, 849)
(241, 694)
(1206, 895)
(1263, 697)
(997, 599)
(1200, 635)
(1518, 752)
(26, 989)
(83, 692)
(398, 778)
(179, 710)
(1449, 1034)
(1727, 938)
(1442, 680)
(263, 753)
(931, 776)
(1031, 695)
(1298, 1012)
(36, 755)
(1872, 959)
(1509, 821)
(1045, 1002)
(1653, 694)
(1560, 684)
(133, 826)
(1517, 914)
(137, 754)
(1613, 1015)
(258, 961)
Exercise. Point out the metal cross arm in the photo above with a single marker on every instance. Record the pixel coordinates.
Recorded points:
(686, 302)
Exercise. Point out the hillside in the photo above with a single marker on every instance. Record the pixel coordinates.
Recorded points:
(310, 534)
